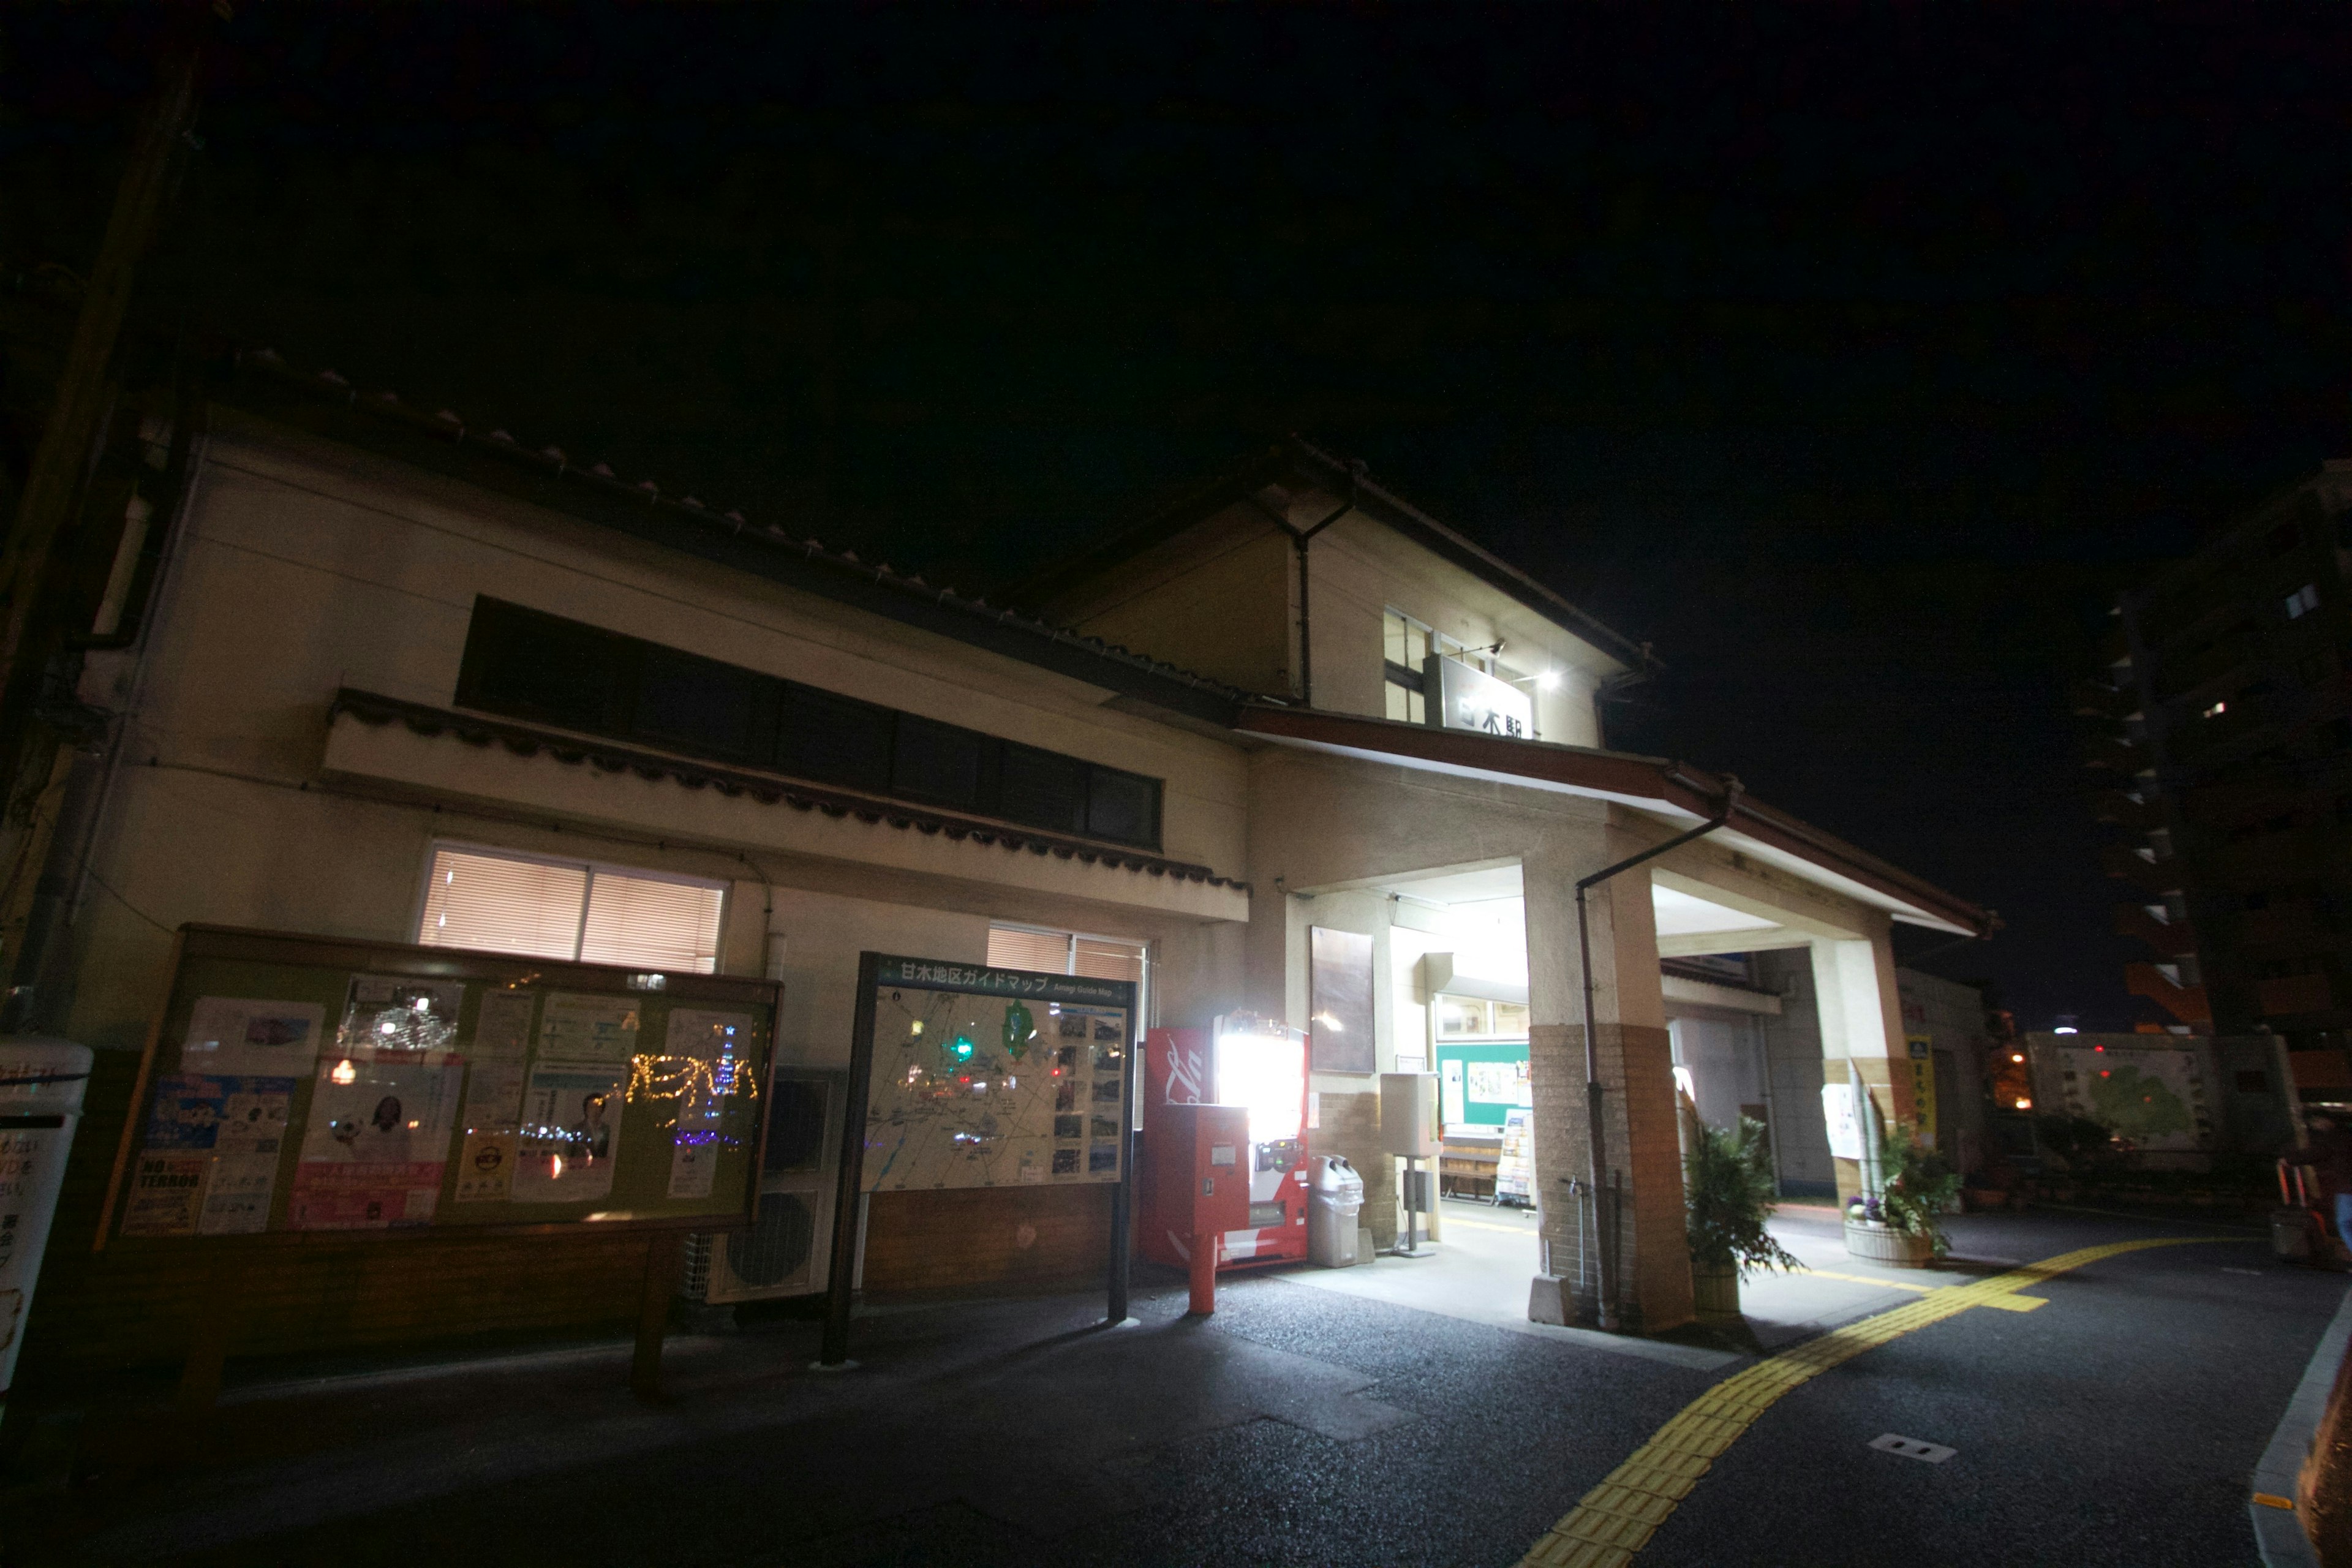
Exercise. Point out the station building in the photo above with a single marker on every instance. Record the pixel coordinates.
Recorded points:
(398, 677)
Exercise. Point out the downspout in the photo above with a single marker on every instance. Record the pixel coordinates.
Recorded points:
(1606, 1240)
(1299, 538)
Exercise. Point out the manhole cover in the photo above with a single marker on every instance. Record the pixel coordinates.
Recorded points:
(1913, 1448)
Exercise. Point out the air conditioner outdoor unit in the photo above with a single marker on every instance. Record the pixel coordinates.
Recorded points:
(788, 1249)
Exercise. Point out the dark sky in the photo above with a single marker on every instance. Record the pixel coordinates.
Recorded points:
(1853, 358)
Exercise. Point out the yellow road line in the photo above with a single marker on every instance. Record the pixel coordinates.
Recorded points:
(1864, 1279)
(1616, 1519)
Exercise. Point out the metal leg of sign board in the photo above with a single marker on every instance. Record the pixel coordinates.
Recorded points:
(217, 1313)
(835, 1354)
(1123, 1200)
(1416, 1199)
(653, 1312)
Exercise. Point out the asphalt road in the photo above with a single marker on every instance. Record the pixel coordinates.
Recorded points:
(2117, 1424)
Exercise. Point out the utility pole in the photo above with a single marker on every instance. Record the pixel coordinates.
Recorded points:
(35, 763)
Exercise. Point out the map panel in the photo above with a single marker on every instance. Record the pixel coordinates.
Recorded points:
(2153, 1097)
(988, 1086)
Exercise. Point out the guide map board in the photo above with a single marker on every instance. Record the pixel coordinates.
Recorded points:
(964, 1076)
(294, 1085)
(993, 1077)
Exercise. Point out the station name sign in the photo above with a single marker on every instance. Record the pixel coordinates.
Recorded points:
(1463, 697)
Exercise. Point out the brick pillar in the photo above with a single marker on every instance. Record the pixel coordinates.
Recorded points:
(1635, 1060)
(1862, 1023)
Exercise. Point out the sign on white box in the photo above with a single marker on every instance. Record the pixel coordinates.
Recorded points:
(41, 1083)
(1839, 1111)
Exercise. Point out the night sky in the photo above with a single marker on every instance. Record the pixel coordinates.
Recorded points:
(1855, 361)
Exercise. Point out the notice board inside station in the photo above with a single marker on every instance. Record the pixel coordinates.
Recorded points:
(296, 1085)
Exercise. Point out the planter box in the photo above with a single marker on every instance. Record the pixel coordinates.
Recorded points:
(1715, 1292)
(1883, 1244)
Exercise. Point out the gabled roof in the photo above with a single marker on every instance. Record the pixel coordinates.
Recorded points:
(324, 403)
(1294, 459)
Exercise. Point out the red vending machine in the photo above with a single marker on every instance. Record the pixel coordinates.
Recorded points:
(1259, 1063)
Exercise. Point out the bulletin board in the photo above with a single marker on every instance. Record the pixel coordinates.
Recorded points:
(993, 1077)
(298, 1087)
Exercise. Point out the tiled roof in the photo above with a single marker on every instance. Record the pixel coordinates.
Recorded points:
(551, 476)
(767, 789)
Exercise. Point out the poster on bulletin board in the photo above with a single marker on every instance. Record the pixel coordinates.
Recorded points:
(295, 1085)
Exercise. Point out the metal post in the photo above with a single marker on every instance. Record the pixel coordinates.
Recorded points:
(835, 1354)
(1122, 1197)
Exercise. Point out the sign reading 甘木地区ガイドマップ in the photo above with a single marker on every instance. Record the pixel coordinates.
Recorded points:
(995, 1078)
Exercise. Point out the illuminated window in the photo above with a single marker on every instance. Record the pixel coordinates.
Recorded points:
(1405, 645)
(1037, 948)
(498, 901)
(2301, 602)
(1470, 1019)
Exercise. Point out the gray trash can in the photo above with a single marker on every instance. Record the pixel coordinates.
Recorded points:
(1335, 1198)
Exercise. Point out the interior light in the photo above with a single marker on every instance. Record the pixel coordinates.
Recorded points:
(344, 1072)
(2025, 1105)
(423, 1005)
(2068, 1029)
(2017, 1056)
(917, 1026)
(1263, 1073)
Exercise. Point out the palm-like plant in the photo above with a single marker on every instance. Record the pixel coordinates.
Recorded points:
(1728, 1196)
(1920, 1185)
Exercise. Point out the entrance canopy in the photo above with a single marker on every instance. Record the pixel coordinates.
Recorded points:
(1678, 796)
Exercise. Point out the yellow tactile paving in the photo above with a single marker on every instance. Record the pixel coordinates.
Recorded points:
(1616, 1519)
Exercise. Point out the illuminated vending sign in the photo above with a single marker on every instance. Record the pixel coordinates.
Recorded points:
(1461, 697)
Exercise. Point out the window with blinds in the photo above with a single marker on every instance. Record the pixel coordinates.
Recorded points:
(1070, 953)
(575, 909)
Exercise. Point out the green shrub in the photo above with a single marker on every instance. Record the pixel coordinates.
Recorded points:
(1728, 1196)
(1919, 1185)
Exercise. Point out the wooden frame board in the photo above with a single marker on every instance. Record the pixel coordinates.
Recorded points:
(556, 1028)
(1023, 1042)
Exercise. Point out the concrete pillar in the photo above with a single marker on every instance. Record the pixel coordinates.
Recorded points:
(1636, 1072)
(1862, 1023)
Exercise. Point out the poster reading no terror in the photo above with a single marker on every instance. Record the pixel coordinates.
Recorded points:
(993, 1077)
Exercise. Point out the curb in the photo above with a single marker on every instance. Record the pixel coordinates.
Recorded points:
(2278, 1531)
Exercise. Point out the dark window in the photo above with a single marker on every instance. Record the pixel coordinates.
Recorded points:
(2253, 1080)
(2282, 538)
(543, 668)
(2256, 900)
(1122, 806)
(1042, 789)
(699, 705)
(938, 762)
(829, 739)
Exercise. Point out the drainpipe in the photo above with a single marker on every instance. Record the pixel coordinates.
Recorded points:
(1299, 539)
(1607, 1241)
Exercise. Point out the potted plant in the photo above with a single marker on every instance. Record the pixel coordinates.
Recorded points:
(1902, 1223)
(1726, 1196)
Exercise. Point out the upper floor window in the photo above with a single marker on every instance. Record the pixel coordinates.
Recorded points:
(530, 665)
(499, 901)
(2301, 602)
(1408, 645)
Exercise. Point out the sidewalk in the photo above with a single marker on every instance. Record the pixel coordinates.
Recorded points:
(1482, 1270)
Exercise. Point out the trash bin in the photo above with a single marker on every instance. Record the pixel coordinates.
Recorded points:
(1335, 1196)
